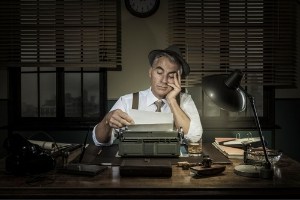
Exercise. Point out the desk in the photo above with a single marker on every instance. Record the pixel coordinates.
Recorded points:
(109, 184)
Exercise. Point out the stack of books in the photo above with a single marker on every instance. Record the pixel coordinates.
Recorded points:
(233, 147)
(229, 152)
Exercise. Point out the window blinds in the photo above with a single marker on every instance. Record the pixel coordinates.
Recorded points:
(218, 36)
(61, 33)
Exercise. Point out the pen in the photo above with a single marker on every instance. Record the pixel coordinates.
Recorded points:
(99, 152)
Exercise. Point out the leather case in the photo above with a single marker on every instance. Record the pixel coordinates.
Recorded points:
(146, 167)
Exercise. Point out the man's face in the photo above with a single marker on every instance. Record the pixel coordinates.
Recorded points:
(161, 73)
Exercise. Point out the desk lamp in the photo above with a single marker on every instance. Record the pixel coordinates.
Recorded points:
(226, 92)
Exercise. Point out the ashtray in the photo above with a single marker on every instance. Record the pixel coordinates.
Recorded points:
(208, 171)
(257, 154)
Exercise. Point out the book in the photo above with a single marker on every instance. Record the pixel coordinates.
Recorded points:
(238, 142)
(221, 140)
(242, 141)
(230, 152)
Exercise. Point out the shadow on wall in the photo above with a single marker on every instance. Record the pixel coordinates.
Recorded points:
(287, 118)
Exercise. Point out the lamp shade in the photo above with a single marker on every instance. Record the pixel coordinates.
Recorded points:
(225, 91)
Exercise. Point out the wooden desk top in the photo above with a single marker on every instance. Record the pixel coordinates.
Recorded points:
(182, 184)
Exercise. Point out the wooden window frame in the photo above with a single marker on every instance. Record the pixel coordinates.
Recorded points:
(60, 122)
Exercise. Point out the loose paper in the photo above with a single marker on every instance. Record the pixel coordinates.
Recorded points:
(150, 121)
(49, 145)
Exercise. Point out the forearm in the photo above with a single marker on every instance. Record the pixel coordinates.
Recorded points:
(180, 118)
(103, 131)
(114, 119)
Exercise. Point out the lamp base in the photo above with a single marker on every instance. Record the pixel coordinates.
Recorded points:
(248, 170)
(253, 171)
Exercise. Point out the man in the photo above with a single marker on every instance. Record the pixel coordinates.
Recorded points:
(165, 72)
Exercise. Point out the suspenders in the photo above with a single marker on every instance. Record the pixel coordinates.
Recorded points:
(135, 100)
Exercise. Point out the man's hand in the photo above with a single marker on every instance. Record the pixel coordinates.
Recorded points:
(176, 87)
(180, 117)
(118, 119)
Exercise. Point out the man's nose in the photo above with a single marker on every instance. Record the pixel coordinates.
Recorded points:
(165, 78)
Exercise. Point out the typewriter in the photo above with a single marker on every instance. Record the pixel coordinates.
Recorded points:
(150, 143)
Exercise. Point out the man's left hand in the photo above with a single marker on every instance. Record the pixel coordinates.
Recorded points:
(176, 87)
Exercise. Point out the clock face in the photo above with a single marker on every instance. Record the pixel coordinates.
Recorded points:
(142, 8)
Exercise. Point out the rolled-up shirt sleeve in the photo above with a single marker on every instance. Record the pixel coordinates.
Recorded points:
(97, 143)
(195, 130)
(120, 104)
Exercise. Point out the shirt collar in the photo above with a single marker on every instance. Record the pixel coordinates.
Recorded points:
(151, 98)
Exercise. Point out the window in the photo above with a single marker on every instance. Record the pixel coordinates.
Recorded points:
(57, 54)
(58, 97)
(255, 36)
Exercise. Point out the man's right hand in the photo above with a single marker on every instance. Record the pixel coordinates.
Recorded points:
(118, 119)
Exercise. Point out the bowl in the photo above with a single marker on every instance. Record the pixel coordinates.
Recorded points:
(257, 154)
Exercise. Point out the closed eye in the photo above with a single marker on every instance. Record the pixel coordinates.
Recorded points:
(159, 71)
(171, 76)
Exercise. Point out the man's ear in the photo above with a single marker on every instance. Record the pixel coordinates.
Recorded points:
(150, 72)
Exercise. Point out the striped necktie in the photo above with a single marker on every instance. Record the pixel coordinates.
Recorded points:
(158, 104)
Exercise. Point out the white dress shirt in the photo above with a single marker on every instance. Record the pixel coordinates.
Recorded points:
(146, 103)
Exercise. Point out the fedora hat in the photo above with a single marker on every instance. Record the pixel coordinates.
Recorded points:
(173, 51)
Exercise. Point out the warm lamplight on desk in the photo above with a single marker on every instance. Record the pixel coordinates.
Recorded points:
(109, 183)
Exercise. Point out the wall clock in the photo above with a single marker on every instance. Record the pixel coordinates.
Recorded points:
(142, 8)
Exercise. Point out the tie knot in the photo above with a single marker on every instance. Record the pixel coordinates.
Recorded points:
(159, 104)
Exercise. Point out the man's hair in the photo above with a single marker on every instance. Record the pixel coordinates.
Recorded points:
(171, 59)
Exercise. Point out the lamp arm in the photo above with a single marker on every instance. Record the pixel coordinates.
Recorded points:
(252, 102)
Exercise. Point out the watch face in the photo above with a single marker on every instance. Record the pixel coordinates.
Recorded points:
(142, 8)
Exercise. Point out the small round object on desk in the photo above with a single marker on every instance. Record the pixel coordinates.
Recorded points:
(247, 170)
(254, 171)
